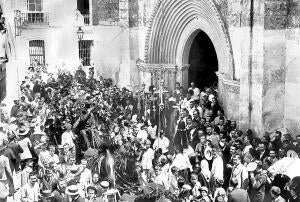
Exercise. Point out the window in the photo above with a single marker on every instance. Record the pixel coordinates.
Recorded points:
(35, 14)
(85, 52)
(37, 52)
(34, 5)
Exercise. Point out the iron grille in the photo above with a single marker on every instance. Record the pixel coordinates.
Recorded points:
(86, 18)
(85, 52)
(37, 52)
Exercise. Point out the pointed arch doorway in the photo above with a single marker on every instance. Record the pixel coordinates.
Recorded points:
(181, 30)
(203, 62)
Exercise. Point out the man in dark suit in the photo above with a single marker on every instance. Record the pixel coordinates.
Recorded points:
(263, 153)
(237, 195)
(16, 149)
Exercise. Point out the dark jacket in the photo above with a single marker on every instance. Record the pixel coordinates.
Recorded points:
(258, 187)
(79, 199)
(58, 196)
(17, 150)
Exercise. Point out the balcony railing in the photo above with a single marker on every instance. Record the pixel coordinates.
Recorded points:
(86, 19)
(34, 18)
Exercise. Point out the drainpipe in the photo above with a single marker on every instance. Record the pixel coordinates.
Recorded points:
(251, 23)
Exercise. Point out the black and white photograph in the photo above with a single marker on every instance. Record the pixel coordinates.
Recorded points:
(149, 100)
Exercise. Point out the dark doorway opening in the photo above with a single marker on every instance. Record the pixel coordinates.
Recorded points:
(83, 6)
(203, 62)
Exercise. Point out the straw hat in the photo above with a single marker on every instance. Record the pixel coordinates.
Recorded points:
(72, 190)
(104, 184)
(23, 131)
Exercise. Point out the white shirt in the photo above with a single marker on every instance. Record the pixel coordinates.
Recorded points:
(67, 138)
(152, 132)
(30, 193)
(246, 149)
(44, 157)
(142, 135)
(25, 143)
(185, 104)
(196, 93)
(188, 151)
(147, 158)
(54, 158)
(161, 179)
(86, 176)
(182, 162)
(162, 143)
(240, 173)
(217, 168)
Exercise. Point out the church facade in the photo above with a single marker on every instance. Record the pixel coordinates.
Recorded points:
(248, 49)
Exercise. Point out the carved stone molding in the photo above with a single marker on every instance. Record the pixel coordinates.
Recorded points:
(230, 85)
(152, 68)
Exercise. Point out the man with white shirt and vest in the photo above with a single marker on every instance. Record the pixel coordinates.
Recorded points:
(239, 172)
(162, 142)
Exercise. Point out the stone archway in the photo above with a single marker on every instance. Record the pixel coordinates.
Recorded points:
(173, 27)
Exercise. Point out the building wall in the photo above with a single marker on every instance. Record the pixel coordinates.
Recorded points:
(262, 94)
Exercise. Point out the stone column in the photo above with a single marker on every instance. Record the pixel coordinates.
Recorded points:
(274, 64)
(251, 65)
(124, 72)
(292, 71)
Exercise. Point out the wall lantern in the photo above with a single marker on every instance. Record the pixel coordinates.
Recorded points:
(80, 34)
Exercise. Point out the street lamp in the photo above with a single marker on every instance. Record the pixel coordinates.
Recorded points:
(80, 34)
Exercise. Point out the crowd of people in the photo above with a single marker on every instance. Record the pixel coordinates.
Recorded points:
(75, 137)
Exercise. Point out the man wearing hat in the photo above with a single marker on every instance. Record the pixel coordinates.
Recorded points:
(109, 194)
(258, 181)
(104, 185)
(47, 196)
(72, 193)
(16, 149)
